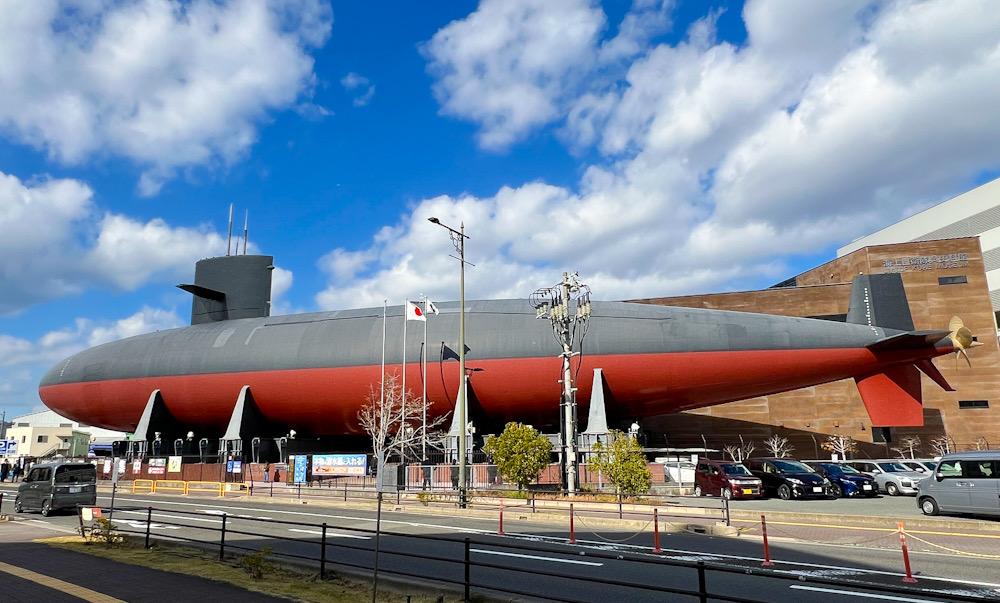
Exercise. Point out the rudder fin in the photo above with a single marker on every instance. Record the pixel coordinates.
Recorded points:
(892, 397)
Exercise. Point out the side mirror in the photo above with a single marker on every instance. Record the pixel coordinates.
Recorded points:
(938, 477)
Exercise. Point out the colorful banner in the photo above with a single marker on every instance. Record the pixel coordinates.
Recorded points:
(339, 464)
(157, 466)
(174, 464)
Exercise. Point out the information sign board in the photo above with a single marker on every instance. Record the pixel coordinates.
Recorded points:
(340, 464)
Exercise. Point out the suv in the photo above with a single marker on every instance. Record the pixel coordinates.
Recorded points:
(844, 479)
(788, 478)
(727, 479)
(892, 477)
(922, 465)
(49, 487)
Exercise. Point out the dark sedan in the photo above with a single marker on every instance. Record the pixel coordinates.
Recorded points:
(845, 480)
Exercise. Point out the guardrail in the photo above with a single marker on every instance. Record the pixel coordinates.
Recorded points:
(455, 565)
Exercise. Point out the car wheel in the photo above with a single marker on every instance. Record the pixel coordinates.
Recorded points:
(784, 492)
(727, 493)
(929, 506)
(46, 509)
(18, 507)
(698, 491)
(891, 489)
(836, 491)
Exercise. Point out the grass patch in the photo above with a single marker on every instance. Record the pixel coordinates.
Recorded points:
(274, 580)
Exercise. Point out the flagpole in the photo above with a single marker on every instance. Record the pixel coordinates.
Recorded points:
(402, 397)
(423, 379)
(382, 382)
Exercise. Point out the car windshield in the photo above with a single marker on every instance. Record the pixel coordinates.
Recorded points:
(76, 474)
(735, 469)
(792, 467)
(835, 469)
(893, 467)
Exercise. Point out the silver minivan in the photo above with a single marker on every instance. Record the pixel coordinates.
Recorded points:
(964, 482)
(49, 487)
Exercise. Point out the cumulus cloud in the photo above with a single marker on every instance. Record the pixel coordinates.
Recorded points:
(359, 87)
(63, 244)
(715, 161)
(167, 85)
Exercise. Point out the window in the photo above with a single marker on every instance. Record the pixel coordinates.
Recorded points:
(952, 280)
(950, 469)
(43, 439)
(973, 403)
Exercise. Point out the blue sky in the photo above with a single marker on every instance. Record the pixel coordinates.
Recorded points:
(657, 147)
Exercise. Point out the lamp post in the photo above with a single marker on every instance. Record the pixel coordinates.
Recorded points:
(458, 238)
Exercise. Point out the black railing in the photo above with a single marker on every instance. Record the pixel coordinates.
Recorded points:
(706, 575)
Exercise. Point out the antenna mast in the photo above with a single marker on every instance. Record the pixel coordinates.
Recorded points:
(229, 239)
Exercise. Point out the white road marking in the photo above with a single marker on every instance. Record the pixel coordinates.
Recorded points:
(851, 593)
(184, 517)
(330, 534)
(538, 557)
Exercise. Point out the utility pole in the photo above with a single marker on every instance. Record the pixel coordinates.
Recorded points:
(568, 328)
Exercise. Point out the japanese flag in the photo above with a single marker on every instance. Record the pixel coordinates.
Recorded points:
(431, 307)
(413, 312)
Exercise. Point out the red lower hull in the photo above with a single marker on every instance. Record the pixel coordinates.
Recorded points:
(326, 401)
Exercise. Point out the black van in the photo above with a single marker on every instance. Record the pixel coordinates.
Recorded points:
(57, 485)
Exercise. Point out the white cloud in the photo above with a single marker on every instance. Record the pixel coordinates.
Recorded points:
(359, 86)
(164, 84)
(719, 161)
(63, 245)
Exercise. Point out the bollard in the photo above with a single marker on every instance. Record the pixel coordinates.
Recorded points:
(572, 535)
(906, 556)
(767, 551)
(656, 532)
(501, 518)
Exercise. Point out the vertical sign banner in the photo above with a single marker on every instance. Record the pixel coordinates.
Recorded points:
(137, 466)
(300, 469)
(237, 466)
(174, 464)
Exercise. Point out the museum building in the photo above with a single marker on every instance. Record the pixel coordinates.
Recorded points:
(942, 278)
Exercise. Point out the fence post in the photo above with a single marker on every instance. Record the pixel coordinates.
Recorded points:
(767, 551)
(906, 555)
(501, 518)
(621, 515)
(222, 540)
(725, 510)
(702, 589)
(149, 523)
(345, 491)
(572, 535)
(656, 532)
(468, 582)
(322, 555)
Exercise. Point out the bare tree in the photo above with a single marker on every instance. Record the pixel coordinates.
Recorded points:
(394, 421)
(840, 444)
(981, 443)
(778, 446)
(908, 445)
(740, 452)
(941, 445)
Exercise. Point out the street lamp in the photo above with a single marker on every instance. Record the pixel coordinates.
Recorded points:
(458, 238)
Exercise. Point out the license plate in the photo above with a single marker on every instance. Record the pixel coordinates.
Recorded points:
(817, 488)
(747, 491)
(75, 489)
(866, 487)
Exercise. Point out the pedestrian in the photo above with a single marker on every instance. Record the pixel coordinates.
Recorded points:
(267, 472)
(17, 472)
(277, 475)
(4, 470)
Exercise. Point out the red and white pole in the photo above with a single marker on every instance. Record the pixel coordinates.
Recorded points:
(501, 518)
(767, 551)
(906, 555)
(572, 535)
(656, 532)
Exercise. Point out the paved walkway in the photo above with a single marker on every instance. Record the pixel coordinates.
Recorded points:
(33, 571)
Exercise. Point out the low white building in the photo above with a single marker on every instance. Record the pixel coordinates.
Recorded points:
(46, 434)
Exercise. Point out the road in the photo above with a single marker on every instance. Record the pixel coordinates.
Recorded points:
(613, 554)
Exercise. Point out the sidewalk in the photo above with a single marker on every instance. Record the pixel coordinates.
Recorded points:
(33, 571)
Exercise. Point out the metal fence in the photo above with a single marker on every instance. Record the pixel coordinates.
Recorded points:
(452, 563)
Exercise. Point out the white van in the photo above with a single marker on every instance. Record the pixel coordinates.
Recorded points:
(964, 482)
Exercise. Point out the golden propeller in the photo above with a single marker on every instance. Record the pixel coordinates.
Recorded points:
(961, 337)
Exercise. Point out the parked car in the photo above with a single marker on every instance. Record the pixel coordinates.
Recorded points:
(49, 487)
(727, 479)
(788, 478)
(844, 479)
(892, 477)
(964, 482)
(921, 465)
